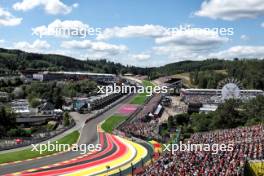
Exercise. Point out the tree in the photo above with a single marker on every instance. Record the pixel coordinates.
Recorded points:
(57, 99)
(182, 119)
(227, 115)
(170, 122)
(66, 119)
(7, 119)
(34, 102)
(201, 122)
(19, 92)
(253, 110)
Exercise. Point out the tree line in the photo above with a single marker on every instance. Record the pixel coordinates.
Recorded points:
(11, 61)
(207, 73)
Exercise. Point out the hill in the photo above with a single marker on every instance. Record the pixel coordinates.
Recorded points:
(13, 60)
(207, 73)
(203, 74)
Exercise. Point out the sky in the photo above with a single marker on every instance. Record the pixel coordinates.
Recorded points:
(140, 32)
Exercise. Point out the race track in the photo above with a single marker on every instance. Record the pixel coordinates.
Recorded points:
(116, 153)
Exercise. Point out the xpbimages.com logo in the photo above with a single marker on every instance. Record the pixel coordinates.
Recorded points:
(57, 147)
(188, 147)
(127, 89)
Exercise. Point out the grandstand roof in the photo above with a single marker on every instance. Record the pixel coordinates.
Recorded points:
(79, 73)
(219, 90)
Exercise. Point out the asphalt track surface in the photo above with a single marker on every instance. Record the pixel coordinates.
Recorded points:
(89, 135)
(110, 150)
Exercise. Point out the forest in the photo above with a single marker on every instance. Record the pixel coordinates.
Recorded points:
(11, 61)
(204, 74)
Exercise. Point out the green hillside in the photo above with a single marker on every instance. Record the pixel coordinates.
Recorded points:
(207, 73)
(203, 74)
(14, 60)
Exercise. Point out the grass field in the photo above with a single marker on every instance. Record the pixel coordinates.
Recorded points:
(140, 98)
(27, 153)
(147, 83)
(112, 122)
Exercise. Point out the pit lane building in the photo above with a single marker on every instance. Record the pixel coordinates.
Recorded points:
(60, 76)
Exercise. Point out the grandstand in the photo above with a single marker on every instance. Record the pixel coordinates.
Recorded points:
(207, 100)
(57, 76)
(248, 145)
(145, 123)
(213, 96)
(94, 102)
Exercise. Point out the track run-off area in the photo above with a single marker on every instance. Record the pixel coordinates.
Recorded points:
(117, 155)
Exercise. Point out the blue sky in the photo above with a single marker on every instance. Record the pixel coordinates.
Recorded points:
(135, 32)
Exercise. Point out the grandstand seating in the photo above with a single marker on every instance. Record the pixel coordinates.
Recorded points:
(145, 123)
(248, 144)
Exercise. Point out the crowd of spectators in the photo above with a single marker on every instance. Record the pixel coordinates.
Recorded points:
(145, 124)
(201, 98)
(214, 96)
(248, 143)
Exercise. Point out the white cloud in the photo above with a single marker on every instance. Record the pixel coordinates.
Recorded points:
(36, 46)
(262, 24)
(7, 19)
(231, 9)
(52, 7)
(175, 45)
(95, 47)
(2, 43)
(179, 53)
(190, 44)
(59, 28)
(244, 37)
(75, 5)
(175, 53)
(74, 44)
(141, 57)
(147, 30)
(240, 52)
(194, 39)
(185, 36)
